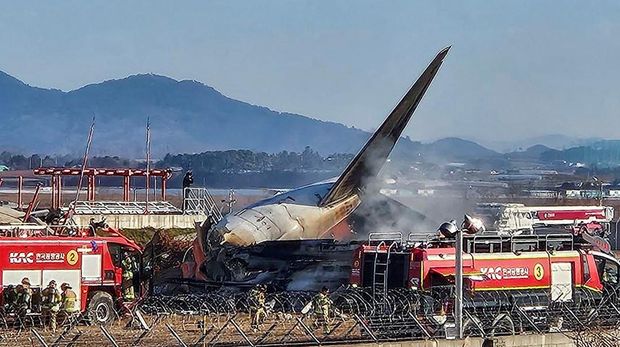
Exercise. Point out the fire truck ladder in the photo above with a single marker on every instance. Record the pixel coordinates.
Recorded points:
(381, 266)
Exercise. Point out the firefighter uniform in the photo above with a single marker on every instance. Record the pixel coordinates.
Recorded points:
(24, 297)
(321, 305)
(50, 306)
(69, 299)
(129, 266)
(68, 306)
(257, 305)
(9, 296)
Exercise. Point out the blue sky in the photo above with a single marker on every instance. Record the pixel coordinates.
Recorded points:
(517, 69)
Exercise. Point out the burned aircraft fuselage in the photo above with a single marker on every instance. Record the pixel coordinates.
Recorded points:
(292, 215)
(305, 264)
(288, 264)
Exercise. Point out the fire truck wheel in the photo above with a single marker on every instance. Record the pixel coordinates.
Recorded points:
(503, 325)
(101, 308)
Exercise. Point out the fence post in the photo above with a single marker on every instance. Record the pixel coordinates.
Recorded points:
(366, 328)
(176, 336)
(147, 331)
(107, 334)
(39, 337)
(219, 332)
(245, 337)
(308, 331)
(141, 320)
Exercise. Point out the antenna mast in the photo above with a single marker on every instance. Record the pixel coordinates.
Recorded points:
(71, 210)
(148, 162)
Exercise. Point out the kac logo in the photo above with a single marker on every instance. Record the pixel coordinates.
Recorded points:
(492, 273)
(21, 258)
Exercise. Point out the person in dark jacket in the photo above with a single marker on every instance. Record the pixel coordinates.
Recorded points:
(188, 180)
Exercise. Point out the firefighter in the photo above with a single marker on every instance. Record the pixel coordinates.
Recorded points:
(129, 266)
(9, 298)
(24, 297)
(51, 304)
(321, 305)
(92, 227)
(257, 305)
(68, 302)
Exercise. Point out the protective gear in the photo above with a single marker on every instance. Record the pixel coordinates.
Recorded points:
(24, 298)
(129, 266)
(9, 296)
(69, 299)
(51, 300)
(257, 305)
(321, 304)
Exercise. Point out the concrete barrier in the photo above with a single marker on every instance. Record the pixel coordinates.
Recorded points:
(542, 340)
(161, 221)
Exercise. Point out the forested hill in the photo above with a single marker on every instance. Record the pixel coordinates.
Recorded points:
(186, 116)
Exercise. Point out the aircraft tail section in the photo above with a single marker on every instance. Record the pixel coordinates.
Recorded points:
(369, 161)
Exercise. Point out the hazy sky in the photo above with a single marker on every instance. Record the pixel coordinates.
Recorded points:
(516, 69)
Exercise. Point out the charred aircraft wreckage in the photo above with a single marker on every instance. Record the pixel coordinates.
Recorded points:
(304, 238)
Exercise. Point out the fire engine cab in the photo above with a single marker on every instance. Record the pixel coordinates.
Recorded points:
(91, 265)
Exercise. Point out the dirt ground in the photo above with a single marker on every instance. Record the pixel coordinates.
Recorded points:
(192, 330)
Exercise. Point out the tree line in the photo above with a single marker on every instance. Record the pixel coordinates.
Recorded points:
(237, 161)
(238, 168)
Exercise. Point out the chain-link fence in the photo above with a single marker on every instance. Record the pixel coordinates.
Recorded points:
(223, 319)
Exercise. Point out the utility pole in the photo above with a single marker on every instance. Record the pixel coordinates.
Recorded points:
(148, 162)
(71, 210)
(458, 280)
(600, 185)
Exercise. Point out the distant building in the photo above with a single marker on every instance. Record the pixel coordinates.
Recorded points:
(537, 172)
(540, 193)
(426, 192)
(518, 177)
(614, 192)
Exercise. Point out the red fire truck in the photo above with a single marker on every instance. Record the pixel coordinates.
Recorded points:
(500, 269)
(91, 265)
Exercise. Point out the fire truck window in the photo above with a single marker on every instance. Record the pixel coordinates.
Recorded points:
(115, 252)
(600, 266)
(438, 280)
(524, 246)
(586, 269)
(610, 274)
(482, 248)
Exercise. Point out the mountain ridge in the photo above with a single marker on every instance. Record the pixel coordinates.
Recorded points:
(187, 116)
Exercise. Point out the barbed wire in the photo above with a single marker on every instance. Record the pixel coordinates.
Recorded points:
(223, 318)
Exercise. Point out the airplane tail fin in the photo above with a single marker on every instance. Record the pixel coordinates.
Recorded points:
(369, 161)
